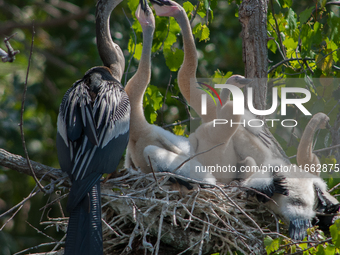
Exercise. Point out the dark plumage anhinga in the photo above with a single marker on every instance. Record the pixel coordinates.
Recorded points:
(93, 132)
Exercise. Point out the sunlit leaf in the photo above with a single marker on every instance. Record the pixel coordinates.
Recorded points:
(173, 58)
(335, 233)
(201, 32)
(178, 130)
(138, 51)
(324, 62)
(152, 102)
(271, 245)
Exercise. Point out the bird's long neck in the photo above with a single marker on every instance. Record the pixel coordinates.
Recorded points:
(305, 150)
(110, 53)
(188, 71)
(137, 85)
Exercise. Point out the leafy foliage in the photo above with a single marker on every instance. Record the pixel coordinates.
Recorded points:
(65, 49)
(325, 247)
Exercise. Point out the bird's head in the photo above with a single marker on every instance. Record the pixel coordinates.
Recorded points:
(144, 15)
(166, 7)
(238, 80)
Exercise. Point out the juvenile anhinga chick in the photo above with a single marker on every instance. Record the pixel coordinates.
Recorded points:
(299, 197)
(241, 141)
(93, 132)
(187, 73)
(165, 150)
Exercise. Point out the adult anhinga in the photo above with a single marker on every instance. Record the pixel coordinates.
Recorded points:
(93, 132)
(305, 155)
(165, 150)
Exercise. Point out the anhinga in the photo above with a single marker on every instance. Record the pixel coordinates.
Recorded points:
(188, 68)
(299, 197)
(165, 150)
(246, 141)
(93, 132)
(305, 155)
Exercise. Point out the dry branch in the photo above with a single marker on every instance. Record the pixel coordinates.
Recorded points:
(19, 164)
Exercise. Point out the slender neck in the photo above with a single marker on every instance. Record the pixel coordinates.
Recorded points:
(189, 66)
(188, 71)
(110, 53)
(138, 83)
(305, 153)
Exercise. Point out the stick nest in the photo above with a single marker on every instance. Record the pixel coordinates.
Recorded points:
(149, 214)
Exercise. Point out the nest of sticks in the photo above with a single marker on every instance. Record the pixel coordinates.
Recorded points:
(152, 214)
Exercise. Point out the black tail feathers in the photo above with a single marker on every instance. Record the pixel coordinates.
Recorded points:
(84, 232)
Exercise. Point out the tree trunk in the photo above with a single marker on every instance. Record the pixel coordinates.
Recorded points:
(253, 18)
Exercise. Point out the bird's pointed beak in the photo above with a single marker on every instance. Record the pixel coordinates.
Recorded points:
(245, 81)
(161, 2)
(143, 5)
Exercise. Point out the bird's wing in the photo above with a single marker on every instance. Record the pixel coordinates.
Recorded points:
(111, 113)
(267, 185)
(93, 132)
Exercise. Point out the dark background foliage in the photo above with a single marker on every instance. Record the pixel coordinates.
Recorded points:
(65, 48)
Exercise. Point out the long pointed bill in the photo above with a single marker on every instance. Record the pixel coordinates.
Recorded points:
(161, 2)
(142, 12)
(165, 8)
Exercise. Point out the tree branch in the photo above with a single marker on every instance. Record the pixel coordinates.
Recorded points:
(19, 164)
(287, 60)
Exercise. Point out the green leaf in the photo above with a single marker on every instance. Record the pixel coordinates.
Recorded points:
(303, 246)
(272, 46)
(137, 26)
(206, 5)
(330, 250)
(152, 102)
(173, 58)
(179, 130)
(271, 245)
(291, 19)
(188, 7)
(305, 15)
(201, 13)
(201, 32)
(287, 3)
(138, 51)
(324, 62)
(133, 4)
(290, 43)
(131, 46)
(202, 10)
(335, 233)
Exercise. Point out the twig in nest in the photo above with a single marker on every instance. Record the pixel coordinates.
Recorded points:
(10, 55)
(22, 114)
(35, 247)
(153, 171)
(193, 156)
(40, 232)
(161, 218)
